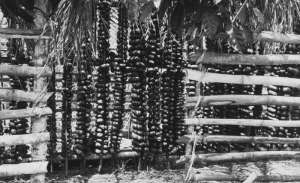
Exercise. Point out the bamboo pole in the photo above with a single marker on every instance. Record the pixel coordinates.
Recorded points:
(216, 100)
(9, 33)
(241, 156)
(34, 138)
(39, 124)
(25, 113)
(8, 170)
(237, 59)
(260, 178)
(20, 95)
(279, 37)
(239, 139)
(24, 70)
(209, 77)
(242, 122)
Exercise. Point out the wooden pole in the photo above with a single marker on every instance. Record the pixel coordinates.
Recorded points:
(240, 59)
(9, 33)
(188, 147)
(34, 138)
(252, 177)
(39, 124)
(239, 139)
(8, 170)
(242, 156)
(128, 154)
(20, 95)
(209, 77)
(24, 70)
(25, 113)
(216, 100)
(278, 37)
(263, 178)
(242, 122)
(125, 154)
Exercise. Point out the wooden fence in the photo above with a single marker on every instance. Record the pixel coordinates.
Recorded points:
(38, 97)
(192, 139)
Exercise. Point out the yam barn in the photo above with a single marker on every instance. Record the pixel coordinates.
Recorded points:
(149, 91)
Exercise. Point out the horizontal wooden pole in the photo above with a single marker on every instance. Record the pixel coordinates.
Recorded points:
(9, 33)
(34, 138)
(279, 37)
(230, 178)
(20, 95)
(238, 139)
(24, 113)
(24, 70)
(241, 156)
(242, 122)
(239, 59)
(8, 170)
(216, 100)
(122, 154)
(126, 154)
(208, 77)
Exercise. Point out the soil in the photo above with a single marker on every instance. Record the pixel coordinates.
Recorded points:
(171, 176)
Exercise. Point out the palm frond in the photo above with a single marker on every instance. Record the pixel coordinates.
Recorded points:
(74, 22)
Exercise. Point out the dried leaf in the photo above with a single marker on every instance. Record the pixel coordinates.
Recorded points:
(146, 10)
(177, 18)
(163, 7)
(242, 16)
(190, 31)
(260, 17)
(217, 1)
(133, 10)
(210, 22)
(194, 34)
(242, 38)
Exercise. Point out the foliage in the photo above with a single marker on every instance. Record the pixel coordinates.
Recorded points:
(235, 22)
(73, 21)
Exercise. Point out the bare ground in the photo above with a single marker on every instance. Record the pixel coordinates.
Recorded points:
(174, 176)
(178, 176)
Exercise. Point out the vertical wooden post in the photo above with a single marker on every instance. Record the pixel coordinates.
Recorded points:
(39, 124)
(189, 147)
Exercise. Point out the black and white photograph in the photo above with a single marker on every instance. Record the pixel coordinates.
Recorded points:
(149, 91)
